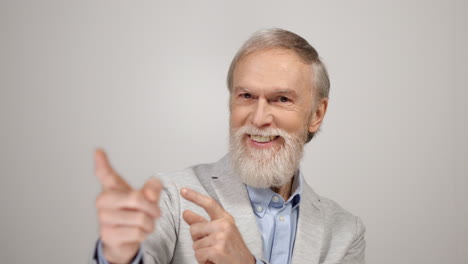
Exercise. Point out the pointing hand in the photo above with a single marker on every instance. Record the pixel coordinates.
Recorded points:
(218, 240)
(126, 215)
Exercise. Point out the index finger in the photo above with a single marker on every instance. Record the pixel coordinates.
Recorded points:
(107, 176)
(214, 210)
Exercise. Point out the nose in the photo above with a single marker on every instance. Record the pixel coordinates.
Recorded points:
(262, 116)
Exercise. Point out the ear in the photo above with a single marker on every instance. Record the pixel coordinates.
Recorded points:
(318, 115)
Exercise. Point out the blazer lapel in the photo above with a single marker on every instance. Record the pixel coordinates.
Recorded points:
(233, 196)
(310, 229)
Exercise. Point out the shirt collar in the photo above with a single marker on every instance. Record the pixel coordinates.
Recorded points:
(260, 198)
(297, 187)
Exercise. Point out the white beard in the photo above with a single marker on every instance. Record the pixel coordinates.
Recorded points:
(268, 167)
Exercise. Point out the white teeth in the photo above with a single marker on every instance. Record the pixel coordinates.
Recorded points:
(262, 139)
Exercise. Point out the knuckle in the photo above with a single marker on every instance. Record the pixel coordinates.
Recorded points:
(224, 225)
(217, 226)
(146, 222)
(100, 200)
(218, 249)
(198, 256)
(211, 203)
(220, 237)
(102, 215)
(151, 227)
(141, 219)
(133, 234)
(135, 198)
(192, 233)
(157, 211)
(139, 235)
(229, 217)
(192, 229)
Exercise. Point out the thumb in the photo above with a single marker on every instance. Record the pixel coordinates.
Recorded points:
(192, 218)
(152, 189)
(106, 175)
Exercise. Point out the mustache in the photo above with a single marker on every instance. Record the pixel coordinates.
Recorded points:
(265, 132)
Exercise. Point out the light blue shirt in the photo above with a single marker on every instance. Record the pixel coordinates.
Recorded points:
(276, 219)
(101, 260)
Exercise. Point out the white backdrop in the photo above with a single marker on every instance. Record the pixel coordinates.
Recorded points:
(145, 80)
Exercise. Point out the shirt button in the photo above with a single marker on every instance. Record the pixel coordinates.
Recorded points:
(275, 199)
(259, 209)
(281, 218)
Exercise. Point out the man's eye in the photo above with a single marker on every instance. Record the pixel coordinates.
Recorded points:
(246, 95)
(283, 99)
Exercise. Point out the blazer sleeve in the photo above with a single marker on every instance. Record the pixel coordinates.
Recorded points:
(356, 252)
(159, 247)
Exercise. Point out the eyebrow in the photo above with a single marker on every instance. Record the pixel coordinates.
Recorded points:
(241, 89)
(285, 91)
(276, 91)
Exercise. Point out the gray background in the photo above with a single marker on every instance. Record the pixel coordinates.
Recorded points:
(146, 81)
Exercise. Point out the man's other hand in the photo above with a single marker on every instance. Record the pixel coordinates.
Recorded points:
(126, 216)
(218, 240)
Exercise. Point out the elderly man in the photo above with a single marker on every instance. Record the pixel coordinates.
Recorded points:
(252, 206)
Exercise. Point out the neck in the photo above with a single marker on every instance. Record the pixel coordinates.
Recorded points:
(285, 190)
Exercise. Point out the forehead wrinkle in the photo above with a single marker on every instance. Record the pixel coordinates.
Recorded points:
(274, 91)
(240, 88)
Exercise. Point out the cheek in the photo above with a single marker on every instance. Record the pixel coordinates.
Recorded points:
(238, 116)
(291, 121)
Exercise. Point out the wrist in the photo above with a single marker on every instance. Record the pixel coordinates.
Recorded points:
(120, 256)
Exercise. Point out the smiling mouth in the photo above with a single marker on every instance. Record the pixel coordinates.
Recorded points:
(262, 139)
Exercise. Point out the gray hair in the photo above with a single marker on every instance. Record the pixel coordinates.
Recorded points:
(280, 38)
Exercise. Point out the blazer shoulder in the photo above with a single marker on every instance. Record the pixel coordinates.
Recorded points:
(333, 208)
(339, 220)
(332, 213)
(198, 177)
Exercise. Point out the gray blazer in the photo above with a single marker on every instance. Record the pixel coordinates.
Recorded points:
(326, 233)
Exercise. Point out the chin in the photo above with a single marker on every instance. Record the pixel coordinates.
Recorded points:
(265, 160)
(263, 171)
